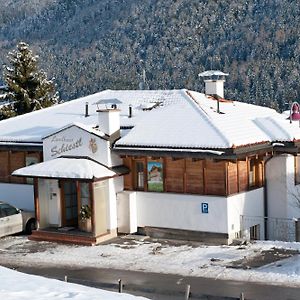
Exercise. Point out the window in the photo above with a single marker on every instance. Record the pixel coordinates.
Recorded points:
(84, 193)
(252, 173)
(254, 232)
(139, 174)
(31, 160)
(7, 210)
(255, 173)
(297, 169)
(148, 175)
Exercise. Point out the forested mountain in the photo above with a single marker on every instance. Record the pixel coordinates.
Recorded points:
(90, 45)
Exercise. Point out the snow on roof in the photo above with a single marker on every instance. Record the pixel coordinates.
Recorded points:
(160, 118)
(91, 129)
(179, 126)
(32, 127)
(212, 73)
(76, 168)
(196, 123)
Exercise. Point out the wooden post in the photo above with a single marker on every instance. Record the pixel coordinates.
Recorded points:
(36, 202)
(146, 174)
(184, 177)
(120, 286)
(92, 205)
(9, 166)
(187, 292)
(226, 178)
(237, 176)
(248, 170)
(204, 178)
(297, 227)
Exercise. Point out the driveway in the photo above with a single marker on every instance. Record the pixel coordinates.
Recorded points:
(164, 266)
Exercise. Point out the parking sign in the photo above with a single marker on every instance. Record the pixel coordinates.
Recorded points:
(204, 208)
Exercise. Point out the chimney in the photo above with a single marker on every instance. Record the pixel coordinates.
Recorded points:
(214, 82)
(109, 121)
(130, 111)
(86, 109)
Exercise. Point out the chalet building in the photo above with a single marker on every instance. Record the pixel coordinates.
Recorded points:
(173, 163)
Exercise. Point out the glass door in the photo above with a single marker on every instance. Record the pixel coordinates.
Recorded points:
(70, 204)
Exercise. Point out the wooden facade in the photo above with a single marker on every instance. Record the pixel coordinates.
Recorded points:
(13, 160)
(196, 176)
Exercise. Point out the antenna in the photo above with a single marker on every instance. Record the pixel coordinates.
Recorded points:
(143, 85)
(144, 76)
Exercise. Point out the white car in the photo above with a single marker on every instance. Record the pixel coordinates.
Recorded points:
(14, 220)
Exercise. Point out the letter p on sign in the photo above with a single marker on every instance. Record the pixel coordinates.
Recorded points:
(204, 208)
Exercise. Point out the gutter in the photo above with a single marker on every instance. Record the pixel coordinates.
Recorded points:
(19, 146)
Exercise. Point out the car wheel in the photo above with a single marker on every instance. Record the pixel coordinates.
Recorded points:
(31, 225)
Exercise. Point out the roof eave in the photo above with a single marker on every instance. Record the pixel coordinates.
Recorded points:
(21, 146)
(174, 152)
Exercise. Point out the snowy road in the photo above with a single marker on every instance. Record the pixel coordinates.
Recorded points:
(166, 286)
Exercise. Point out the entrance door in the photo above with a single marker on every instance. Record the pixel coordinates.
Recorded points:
(70, 203)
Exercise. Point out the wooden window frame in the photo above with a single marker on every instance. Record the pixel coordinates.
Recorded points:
(258, 169)
(135, 174)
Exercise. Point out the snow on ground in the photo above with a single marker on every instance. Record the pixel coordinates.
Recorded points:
(15, 286)
(148, 255)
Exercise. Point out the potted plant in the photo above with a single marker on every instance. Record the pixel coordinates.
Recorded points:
(85, 214)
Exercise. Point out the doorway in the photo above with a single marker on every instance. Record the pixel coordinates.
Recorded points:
(70, 203)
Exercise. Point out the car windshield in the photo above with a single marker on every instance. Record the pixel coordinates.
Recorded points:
(7, 210)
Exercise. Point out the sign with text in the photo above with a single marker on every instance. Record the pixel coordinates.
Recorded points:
(61, 145)
(73, 141)
(204, 208)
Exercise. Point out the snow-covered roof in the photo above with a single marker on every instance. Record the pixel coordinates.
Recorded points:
(75, 168)
(196, 123)
(32, 127)
(160, 119)
(89, 128)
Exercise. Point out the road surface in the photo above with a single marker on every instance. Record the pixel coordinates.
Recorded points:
(165, 286)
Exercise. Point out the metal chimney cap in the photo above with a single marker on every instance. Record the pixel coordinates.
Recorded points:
(212, 73)
(108, 101)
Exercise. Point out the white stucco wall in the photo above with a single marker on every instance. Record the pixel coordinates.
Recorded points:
(19, 195)
(115, 185)
(179, 211)
(127, 212)
(248, 204)
(280, 178)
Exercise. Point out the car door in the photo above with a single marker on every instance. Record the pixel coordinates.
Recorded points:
(11, 219)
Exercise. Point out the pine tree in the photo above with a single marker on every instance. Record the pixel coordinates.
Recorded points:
(28, 88)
